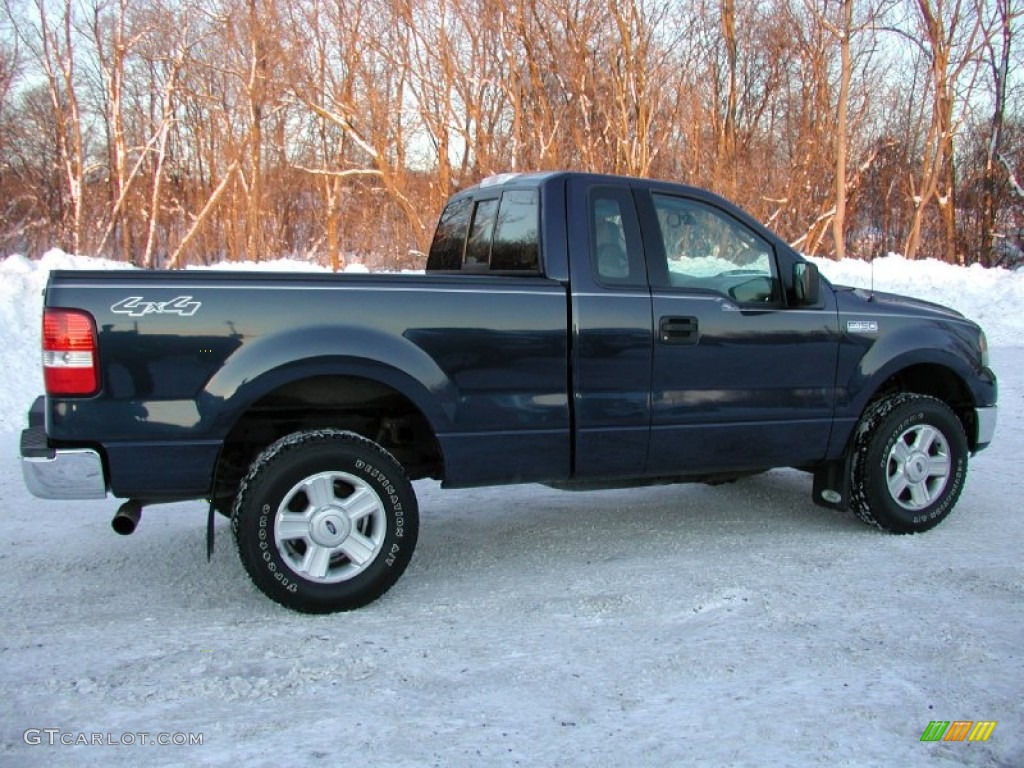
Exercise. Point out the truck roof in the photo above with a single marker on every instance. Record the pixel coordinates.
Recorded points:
(538, 179)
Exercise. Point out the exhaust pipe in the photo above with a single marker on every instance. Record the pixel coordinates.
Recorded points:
(126, 519)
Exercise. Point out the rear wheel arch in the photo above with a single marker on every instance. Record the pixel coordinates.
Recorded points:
(362, 405)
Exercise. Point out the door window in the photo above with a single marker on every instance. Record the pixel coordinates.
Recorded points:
(708, 250)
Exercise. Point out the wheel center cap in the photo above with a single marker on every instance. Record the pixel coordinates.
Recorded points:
(329, 527)
(917, 467)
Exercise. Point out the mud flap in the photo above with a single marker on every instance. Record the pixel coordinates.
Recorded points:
(832, 484)
(209, 532)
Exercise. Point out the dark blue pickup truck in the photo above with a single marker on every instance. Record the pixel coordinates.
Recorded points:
(577, 330)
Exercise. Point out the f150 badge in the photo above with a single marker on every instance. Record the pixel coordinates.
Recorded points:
(862, 326)
(136, 306)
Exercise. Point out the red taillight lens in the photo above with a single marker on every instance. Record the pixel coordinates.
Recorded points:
(69, 352)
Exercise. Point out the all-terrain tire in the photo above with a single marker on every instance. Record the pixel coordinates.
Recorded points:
(325, 520)
(909, 463)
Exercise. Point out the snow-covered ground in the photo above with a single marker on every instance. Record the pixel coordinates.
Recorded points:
(687, 625)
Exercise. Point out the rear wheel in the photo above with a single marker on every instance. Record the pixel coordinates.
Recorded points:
(324, 521)
(909, 463)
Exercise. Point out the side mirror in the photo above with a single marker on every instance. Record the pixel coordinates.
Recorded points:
(806, 283)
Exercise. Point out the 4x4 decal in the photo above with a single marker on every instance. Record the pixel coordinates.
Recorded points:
(136, 306)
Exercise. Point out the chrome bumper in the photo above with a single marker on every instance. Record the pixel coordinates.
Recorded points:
(986, 421)
(52, 473)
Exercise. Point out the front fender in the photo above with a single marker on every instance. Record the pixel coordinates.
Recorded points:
(866, 363)
(950, 345)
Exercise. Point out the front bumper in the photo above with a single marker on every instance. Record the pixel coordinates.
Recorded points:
(58, 473)
(985, 418)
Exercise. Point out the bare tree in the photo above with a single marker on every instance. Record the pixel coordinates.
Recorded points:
(997, 57)
(213, 137)
(639, 75)
(49, 38)
(9, 55)
(727, 131)
(839, 21)
(166, 63)
(185, 131)
(354, 82)
(108, 23)
(949, 35)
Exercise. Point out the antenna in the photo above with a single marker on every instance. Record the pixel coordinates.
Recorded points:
(871, 261)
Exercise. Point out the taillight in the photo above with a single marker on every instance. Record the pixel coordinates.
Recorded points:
(69, 352)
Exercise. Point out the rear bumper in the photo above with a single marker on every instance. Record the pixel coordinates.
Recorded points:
(58, 473)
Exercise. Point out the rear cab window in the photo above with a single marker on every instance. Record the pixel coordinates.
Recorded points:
(490, 233)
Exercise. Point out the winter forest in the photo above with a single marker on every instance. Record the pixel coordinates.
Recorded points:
(173, 132)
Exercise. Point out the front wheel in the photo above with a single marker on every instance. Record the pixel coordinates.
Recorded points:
(909, 463)
(325, 520)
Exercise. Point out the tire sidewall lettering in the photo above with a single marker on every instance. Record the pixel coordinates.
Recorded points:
(387, 491)
(949, 494)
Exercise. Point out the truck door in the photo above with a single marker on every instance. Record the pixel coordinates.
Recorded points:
(741, 380)
(612, 344)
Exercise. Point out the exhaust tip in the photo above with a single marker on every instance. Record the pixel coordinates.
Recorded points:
(127, 517)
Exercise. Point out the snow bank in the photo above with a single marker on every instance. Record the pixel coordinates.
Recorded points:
(993, 298)
(21, 300)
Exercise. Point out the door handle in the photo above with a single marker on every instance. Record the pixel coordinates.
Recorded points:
(679, 330)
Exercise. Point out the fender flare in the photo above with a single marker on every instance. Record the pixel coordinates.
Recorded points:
(270, 362)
